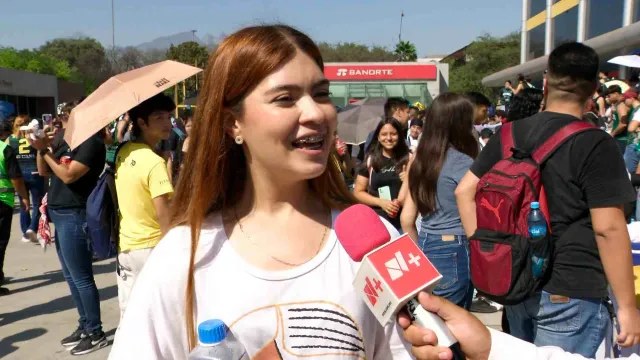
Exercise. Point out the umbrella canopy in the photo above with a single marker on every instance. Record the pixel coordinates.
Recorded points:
(357, 120)
(120, 94)
(623, 86)
(626, 60)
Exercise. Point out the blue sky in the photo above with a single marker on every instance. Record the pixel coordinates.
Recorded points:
(435, 26)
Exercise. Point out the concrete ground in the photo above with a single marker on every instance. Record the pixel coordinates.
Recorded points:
(39, 311)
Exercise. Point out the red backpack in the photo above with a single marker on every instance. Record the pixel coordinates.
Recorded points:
(500, 249)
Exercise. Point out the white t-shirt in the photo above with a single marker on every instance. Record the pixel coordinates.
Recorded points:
(311, 310)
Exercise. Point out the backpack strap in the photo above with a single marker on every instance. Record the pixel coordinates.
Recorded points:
(506, 139)
(542, 153)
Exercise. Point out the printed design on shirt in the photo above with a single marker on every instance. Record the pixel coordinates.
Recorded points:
(309, 329)
(494, 209)
(387, 169)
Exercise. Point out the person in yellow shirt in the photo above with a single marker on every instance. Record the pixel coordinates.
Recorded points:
(143, 188)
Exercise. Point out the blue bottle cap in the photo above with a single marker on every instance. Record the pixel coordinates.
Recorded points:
(535, 205)
(212, 331)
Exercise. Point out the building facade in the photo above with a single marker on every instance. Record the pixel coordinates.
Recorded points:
(36, 94)
(611, 27)
(410, 80)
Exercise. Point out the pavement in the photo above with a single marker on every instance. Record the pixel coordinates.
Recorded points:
(39, 311)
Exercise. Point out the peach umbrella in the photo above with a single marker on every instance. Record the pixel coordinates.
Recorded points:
(120, 94)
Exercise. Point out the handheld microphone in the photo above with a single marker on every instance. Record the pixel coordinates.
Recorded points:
(391, 274)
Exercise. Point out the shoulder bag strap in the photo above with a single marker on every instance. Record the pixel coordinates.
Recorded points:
(542, 153)
(506, 139)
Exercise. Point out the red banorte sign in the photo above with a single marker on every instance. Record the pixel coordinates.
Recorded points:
(403, 267)
(380, 72)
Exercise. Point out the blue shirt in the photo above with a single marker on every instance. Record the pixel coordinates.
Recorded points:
(446, 219)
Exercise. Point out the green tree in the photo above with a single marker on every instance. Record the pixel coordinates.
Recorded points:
(406, 51)
(125, 59)
(153, 56)
(36, 62)
(191, 53)
(485, 56)
(352, 52)
(84, 54)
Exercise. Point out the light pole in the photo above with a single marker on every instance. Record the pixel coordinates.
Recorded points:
(193, 38)
(400, 34)
(113, 26)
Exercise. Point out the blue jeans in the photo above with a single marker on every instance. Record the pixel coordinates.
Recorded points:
(451, 258)
(35, 186)
(75, 254)
(631, 158)
(577, 325)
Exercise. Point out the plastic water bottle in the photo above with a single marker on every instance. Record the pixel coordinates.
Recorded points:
(214, 344)
(537, 238)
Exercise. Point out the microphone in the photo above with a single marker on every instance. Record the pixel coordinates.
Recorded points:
(391, 273)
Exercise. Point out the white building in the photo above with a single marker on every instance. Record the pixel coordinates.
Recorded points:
(611, 27)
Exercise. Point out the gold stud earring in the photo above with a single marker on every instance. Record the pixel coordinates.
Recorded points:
(239, 140)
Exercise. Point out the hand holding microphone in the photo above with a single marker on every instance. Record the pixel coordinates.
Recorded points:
(391, 274)
(473, 336)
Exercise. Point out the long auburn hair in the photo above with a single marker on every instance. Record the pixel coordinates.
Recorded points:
(400, 151)
(217, 171)
(449, 121)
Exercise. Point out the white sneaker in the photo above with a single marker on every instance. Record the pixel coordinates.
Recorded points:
(25, 239)
(33, 237)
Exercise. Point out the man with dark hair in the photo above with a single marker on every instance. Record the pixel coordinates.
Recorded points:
(10, 181)
(586, 185)
(143, 188)
(396, 108)
(620, 114)
(481, 104)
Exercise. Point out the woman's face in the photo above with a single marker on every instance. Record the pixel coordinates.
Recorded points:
(388, 137)
(188, 127)
(288, 122)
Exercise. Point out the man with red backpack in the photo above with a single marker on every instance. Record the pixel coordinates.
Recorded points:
(587, 244)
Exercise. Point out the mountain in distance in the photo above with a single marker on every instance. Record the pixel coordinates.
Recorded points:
(164, 42)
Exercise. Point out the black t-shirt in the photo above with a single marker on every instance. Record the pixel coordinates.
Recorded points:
(91, 153)
(171, 144)
(387, 176)
(11, 165)
(25, 154)
(178, 158)
(585, 172)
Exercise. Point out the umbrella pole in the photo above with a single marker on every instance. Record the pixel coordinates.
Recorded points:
(175, 99)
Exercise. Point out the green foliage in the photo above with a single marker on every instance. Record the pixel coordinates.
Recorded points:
(36, 62)
(352, 52)
(485, 56)
(86, 55)
(193, 54)
(189, 52)
(406, 51)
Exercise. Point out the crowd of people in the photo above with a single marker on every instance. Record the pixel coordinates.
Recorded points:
(228, 213)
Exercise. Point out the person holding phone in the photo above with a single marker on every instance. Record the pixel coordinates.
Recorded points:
(385, 167)
(444, 154)
(26, 156)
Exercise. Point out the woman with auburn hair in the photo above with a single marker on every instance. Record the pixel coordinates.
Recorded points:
(444, 154)
(253, 242)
